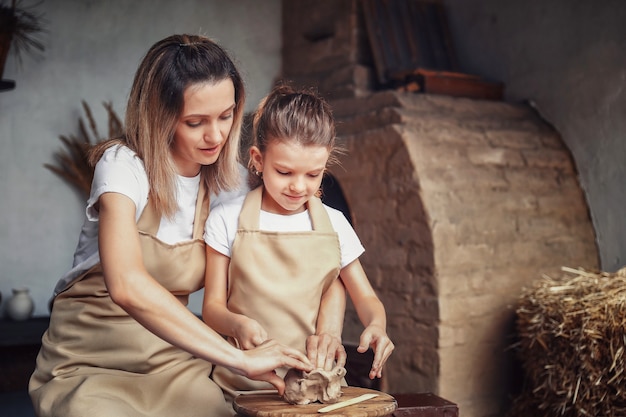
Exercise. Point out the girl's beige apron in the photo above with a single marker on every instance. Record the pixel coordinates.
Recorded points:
(278, 278)
(96, 360)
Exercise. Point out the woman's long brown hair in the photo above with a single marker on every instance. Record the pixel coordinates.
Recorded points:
(154, 106)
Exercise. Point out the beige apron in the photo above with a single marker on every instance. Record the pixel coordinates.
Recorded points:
(278, 279)
(97, 361)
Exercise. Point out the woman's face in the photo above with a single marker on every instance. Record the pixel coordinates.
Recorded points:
(292, 174)
(204, 125)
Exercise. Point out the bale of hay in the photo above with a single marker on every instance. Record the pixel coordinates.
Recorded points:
(571, 341)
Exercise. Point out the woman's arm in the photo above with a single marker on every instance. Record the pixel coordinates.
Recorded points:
(248, 332)
(325, 347)
(371, 312)
(143, 298)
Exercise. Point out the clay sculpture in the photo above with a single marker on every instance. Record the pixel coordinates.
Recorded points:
(315, 386)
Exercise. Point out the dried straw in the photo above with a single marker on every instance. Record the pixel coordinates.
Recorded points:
(72, 164)
(572, 333)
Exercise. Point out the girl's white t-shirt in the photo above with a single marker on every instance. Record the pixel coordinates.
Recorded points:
(121, 171)
(221, 228)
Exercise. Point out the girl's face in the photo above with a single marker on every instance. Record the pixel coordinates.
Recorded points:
(204, 125)
(292, 174)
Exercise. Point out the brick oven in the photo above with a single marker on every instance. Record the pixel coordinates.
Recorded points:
(460, 202)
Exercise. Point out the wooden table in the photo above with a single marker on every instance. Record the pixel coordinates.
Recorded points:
(272, 405)
(19, 345)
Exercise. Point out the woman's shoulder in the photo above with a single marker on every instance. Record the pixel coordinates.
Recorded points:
(119, 159)
(228, 207)
(120, 170)
(225, 197)
(120, 153)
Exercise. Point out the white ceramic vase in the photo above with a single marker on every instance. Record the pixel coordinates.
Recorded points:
(20, 305)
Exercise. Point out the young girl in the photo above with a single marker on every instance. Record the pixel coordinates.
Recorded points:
(121, 340)
(274, 256)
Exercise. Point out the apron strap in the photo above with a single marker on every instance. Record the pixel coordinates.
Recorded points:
(249, 216)
(202, 211)
(251, 209)
(319, 216)
(149, 222)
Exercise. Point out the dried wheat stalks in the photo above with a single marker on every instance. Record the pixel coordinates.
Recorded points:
(572, 333)
(72, 164)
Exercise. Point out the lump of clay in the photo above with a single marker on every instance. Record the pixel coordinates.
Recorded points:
(317, 385)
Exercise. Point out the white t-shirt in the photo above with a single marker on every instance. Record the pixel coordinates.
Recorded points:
(121, 171)
(221, 228)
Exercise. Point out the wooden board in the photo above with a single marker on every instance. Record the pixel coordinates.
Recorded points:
(449, 83)
(459, 85)
(424, 404)
(272, 405)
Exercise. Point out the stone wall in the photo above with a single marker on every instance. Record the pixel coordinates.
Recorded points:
(325, 46)
(460, 203)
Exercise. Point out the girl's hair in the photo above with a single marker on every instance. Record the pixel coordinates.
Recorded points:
(290, 115)
(155, 104)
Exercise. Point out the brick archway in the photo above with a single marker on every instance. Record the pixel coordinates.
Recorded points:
(460, 203)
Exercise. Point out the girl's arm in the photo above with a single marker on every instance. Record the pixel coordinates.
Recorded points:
(248, 332)
(371, 312)
(143, 298)
(325, 347)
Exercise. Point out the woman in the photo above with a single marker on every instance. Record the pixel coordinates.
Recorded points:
(121, 340)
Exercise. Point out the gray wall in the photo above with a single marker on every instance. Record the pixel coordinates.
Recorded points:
(92, 50)
(569, 58)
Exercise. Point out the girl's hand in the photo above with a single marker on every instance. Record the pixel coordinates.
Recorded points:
(260, 363)
(323, 349)
(249, 333)
(376, 337)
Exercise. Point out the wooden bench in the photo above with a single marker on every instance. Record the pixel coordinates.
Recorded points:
(424, 404)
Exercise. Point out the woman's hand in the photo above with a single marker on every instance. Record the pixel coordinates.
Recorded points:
(249, 333)
(260, 363)
(376, 337)
(324, 349)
